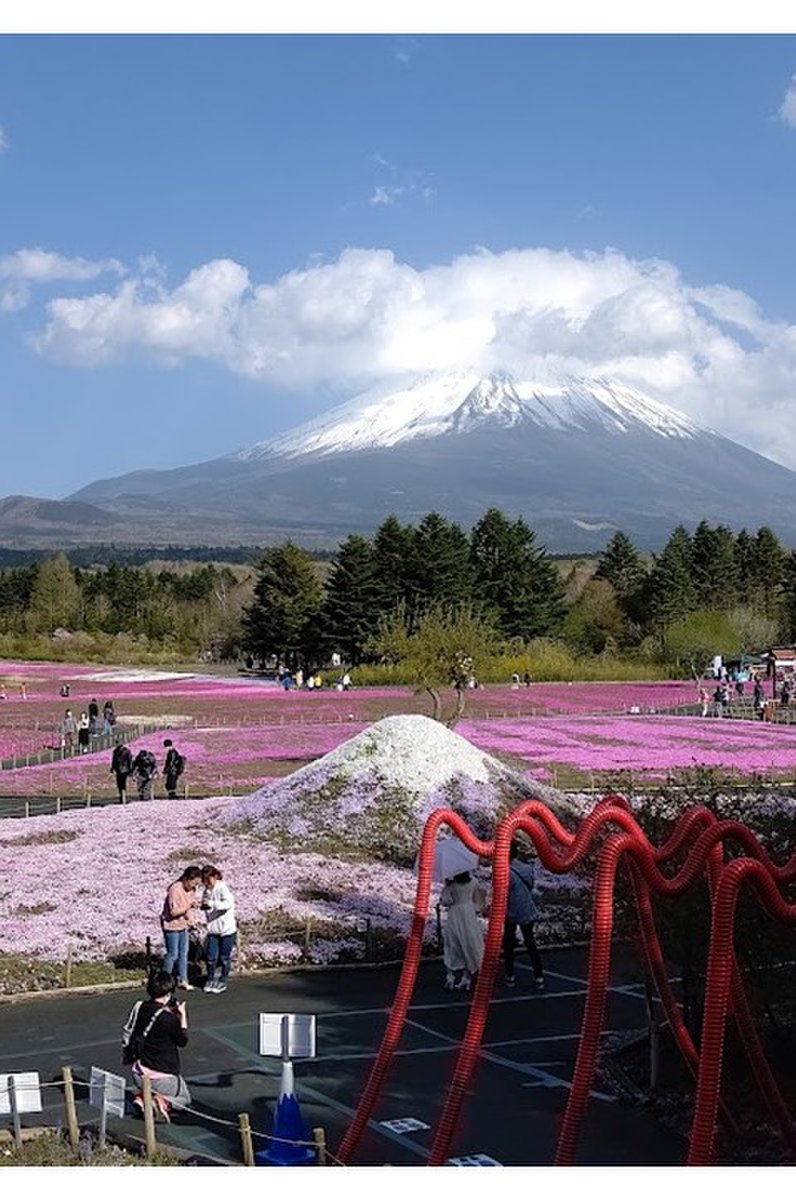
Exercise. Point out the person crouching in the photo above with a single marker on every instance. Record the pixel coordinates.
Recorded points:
(160, 1031)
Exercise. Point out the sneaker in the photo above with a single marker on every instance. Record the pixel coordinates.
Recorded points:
(185, 985)
(464, 984)
(450, 982)
(539, 983)
(219, 988)
(161, 1107)
(209, 986)
(510, 981)
(138, 1104)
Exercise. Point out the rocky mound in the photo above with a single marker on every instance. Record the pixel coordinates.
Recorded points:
(373, 794)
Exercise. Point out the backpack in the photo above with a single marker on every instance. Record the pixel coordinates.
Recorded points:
(122, 760)
(146, 762)
(130, 1044)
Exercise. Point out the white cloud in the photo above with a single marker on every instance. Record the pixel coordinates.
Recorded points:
(788, 107)
(18, 271)
(537, 312)
(386, 195)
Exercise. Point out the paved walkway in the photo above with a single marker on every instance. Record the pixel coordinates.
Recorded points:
(511, 1114)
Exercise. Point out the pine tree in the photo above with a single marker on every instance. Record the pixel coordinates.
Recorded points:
(284, 617)
(392, 551)
(715, 570)
(766, 576)
(515, 579)
(56, 598)
(351, 606)
(670, 591)
(440, 571)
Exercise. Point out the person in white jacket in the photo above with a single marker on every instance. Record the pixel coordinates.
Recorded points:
(218, 905)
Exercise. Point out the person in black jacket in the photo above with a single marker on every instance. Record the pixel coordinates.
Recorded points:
(160, 1030)
(121, 767)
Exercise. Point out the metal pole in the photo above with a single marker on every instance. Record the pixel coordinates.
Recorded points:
(12, 1096)
(103, 1121)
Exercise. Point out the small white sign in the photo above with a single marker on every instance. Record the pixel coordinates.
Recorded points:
(404, 1125)
(114, 1091)
(473, 1160)
(27, 1091)
(300, 1035)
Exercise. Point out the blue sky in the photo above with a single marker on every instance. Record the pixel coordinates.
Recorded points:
(204, 240)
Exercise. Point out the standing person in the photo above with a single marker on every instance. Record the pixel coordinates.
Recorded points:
(108, 718)
(145, 768)
(23, 690)
(462, 935)
(93, 710)
(704, 700)
(68, 730)
(178, 916)
(173, 768)
(521, 910)
(121, 767)
(159, 1031)
(346, 682)
(759, 697)
(83, 733)
(218, 904)
(784, 696)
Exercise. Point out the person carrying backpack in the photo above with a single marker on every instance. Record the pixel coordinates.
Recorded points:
(173, 768)
(145, 768)
(521, 910)
(152, 1037)
(121, 767)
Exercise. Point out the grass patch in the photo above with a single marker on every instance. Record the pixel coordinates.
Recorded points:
(51, 1149)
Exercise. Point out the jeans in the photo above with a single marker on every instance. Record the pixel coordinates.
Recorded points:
(176, 952)
(218, 948)
(509, 930)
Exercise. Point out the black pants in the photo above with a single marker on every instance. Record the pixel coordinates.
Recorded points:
(171, 786)
(509, 930)
(121, 784)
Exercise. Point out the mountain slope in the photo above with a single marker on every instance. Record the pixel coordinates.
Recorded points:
(578, 459)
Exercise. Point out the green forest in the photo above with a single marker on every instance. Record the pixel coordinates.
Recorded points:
(707, 591)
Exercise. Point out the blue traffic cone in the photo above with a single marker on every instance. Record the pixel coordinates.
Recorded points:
(289, 1131)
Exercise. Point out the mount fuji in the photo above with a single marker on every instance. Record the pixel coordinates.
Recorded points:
(577, 458)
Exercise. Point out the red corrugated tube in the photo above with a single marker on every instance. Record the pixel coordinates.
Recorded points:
(696, 832)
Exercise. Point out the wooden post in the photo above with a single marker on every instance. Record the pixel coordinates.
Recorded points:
(307, 936)
(654, 1038)
(319, 1136)
(246, 1139)
(12, 1097)
(27, 808)
(72, 1127)
(149, 1118)
(68, 968)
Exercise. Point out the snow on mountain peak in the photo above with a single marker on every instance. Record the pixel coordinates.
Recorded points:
(459, 402)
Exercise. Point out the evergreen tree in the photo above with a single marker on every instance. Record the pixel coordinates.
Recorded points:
(714, 566)
(515, 579)
(767, 572)
(284, 617)
(392, 552)
(621, 565)
(440, 571)
(743, 554)
(351, 606)
(670, 591)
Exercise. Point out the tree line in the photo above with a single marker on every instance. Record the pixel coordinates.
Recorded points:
(709, 591)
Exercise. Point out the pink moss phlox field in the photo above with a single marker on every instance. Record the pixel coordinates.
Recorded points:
(103, 890)
(651, 744)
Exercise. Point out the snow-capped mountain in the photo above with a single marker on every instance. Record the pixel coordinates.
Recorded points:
(460, 402)
(577, 458)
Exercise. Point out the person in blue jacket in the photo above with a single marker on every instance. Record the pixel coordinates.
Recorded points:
(521, 910)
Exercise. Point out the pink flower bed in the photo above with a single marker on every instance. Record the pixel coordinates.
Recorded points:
(132, 853)
(650, 744)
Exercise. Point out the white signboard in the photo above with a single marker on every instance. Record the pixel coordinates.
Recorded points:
(114, 1091)
(404, 1125)
(27, 1091)
(300, 1035)
(473, 1160)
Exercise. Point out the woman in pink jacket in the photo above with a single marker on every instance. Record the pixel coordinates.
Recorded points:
(179, 914)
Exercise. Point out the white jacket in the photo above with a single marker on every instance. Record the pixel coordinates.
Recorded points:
(220, 915)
